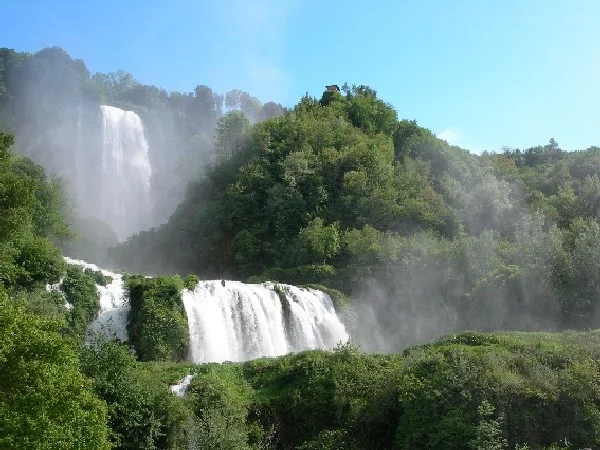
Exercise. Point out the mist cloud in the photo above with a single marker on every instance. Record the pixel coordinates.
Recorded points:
(450, 135)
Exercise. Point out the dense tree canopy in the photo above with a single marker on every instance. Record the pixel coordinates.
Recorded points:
(31, 216)
(45, 401)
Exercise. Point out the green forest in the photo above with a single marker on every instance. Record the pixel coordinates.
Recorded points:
(470, 284)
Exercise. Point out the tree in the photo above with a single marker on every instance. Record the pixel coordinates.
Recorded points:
(142, 413)
(489, 434)
(45, 401)
(322, 241)
(115, 86)
(231, 133)
(244, 102)
(370, 114)
(586, 272)
(16, 195)
(31, 213)
(51, 209)
(272, 109)
(404, 130)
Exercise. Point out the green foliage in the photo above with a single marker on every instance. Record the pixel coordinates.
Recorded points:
(328, 440)
(368, 113)
(143, 414)
(31, 213)
(289, 190)
(99, 278)
(51, 208)
(190, 282)
(45, 401)
(157, 322)
(339, 300)
(341, 193)
(471, 390)
(231, 133)
(220, 401)
(16, 199)
(488, 435)
(305, 274)
(112, 87)
(405, 130)
(337, 192)
(80, 291)
(43, 302)
(321, 242)
(39, 262)
(520, 373)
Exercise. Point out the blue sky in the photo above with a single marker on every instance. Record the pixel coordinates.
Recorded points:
(480, 73)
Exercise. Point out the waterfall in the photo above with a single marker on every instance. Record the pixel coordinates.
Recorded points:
(111, 321)
(181, 387)
(126, 171)
(233, 321)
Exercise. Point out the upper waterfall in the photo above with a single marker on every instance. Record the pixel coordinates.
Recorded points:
(126, 171)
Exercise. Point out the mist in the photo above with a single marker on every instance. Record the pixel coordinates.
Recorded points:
(125, 151)
(499, 274)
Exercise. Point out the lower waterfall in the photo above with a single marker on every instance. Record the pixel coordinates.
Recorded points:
(233, 321)
(111, 321)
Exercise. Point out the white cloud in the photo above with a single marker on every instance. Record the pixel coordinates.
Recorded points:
(450, 135)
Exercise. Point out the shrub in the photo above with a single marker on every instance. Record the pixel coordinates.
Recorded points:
(80, 291)
(157, 322)
(99, 278)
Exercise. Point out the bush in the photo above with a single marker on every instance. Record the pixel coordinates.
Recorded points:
(45, 401)
(190, 282)
(220, 401)
(144, 414)
(339, 300)
(99, 278)
(472, 390)
(310, 273)
(80, 291)
(40, 262)
(157, 322)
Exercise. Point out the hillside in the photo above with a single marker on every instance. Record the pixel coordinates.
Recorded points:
(401, 238)
(425, 237)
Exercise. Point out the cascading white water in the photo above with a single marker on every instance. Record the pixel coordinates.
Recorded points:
(233, 321)
(111, 321)
(126, 172)
(180, 389)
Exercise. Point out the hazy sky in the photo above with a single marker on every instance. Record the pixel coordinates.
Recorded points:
(479, 73)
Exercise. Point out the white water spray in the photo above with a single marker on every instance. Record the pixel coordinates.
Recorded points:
(180, 389)
(111, 321)
(126, 172)
(233, 321)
